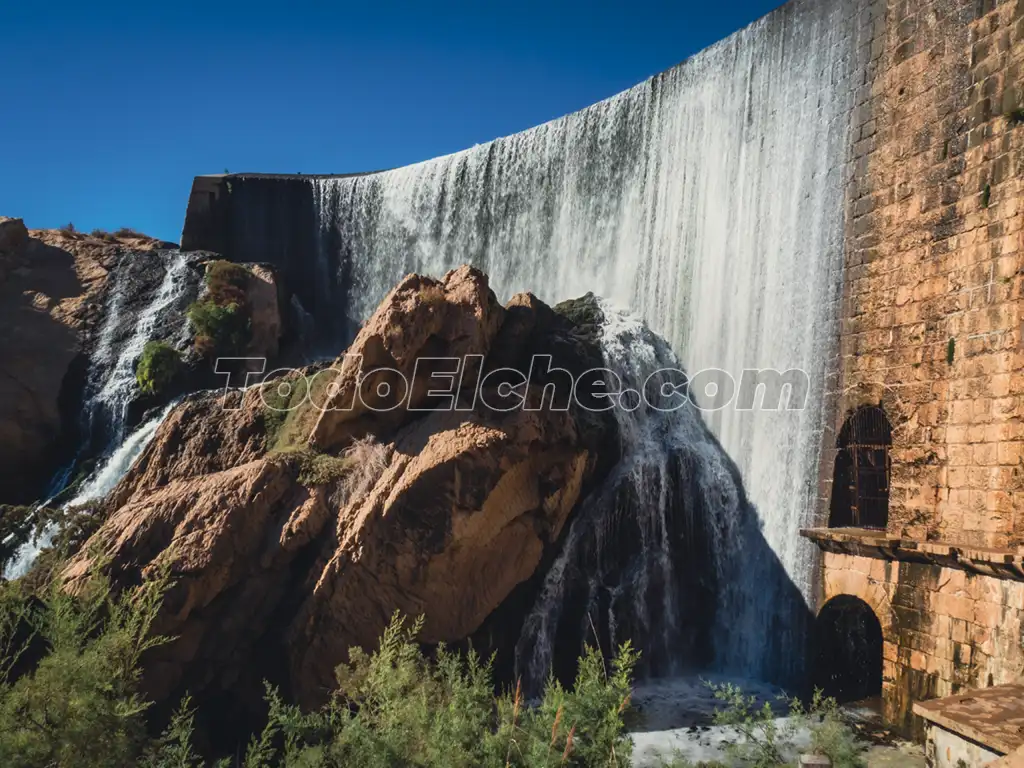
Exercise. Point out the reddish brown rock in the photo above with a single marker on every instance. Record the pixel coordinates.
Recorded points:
(51, 285)
(222, 534)
(458, 518)
(208, 433)
(284, 559)
(264, 312)
(421, 318)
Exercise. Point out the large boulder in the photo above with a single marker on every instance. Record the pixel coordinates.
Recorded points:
(421, 319)
(282, 557)
(265, 319)
(460, 515)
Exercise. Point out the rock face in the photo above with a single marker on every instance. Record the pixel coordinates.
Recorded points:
(421, 319)
(51, 288)
(265, 312)
(282, 560)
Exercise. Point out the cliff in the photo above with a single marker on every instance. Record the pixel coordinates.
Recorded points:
(52, 285)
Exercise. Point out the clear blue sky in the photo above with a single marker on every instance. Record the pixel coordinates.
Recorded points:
(109, 109)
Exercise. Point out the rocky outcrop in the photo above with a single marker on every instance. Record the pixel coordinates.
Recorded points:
(51, 288)
(282, 560)
(265, 319)
(419, 322)
(460, 515)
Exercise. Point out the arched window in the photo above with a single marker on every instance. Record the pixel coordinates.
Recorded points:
(860, 486)
(848, 650)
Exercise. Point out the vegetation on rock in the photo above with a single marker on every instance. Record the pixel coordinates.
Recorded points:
(221, 318)
(157, 368)
(281, 397)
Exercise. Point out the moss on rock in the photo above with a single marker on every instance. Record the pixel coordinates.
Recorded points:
(159, 365)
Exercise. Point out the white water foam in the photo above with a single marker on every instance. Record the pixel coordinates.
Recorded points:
(98, 486)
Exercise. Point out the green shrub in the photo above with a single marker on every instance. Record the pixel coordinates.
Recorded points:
(80, 705)
(764, 741)
(221, 330)
(221, 319)
(398, 708)
(281, 396)
(157, 368)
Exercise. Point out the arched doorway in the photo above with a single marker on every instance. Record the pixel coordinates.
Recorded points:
(860, 485)
(848, 650)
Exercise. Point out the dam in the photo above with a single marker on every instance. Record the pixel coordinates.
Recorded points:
(708, 199)
(833, 189)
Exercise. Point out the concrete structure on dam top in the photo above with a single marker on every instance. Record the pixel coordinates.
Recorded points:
(835, 188)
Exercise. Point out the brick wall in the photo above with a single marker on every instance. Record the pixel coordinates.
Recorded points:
(943, 629)
(933, 265)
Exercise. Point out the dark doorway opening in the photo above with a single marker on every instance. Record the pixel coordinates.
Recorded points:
(848, 650)
(860, 485)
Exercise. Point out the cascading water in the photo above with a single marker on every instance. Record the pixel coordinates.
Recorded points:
(667, 551)
(112, 383)
(98, 486)
(138, 308)
(707, 199)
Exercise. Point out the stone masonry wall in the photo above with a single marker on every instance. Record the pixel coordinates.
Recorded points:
(931, 312)
(943, 629)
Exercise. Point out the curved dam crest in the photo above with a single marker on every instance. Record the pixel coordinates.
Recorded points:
(708, 199)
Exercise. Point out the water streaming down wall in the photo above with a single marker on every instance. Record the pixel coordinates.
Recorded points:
(667, 552)
(97, 486)
(708, 199)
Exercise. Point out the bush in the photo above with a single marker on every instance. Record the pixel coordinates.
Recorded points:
(397, 708)
(220, 330)
(221, 319)
(157, 368)
(765, 742)
(80, 703)
(281, 396)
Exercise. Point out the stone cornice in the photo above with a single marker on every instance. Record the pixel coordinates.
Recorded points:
(985, 561)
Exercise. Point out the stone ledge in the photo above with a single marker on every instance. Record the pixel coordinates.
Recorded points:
(991, 717)
(866, 542)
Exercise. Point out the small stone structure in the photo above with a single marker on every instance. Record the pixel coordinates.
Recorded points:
(976, 727)
(951, 616)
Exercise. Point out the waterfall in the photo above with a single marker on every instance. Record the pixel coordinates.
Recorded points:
(708, 199)
(121, 460)
(146, 296)
(98, 486)
(121, 340)
(667, 551)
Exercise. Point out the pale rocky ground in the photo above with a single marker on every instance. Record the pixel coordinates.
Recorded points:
(672, 712)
